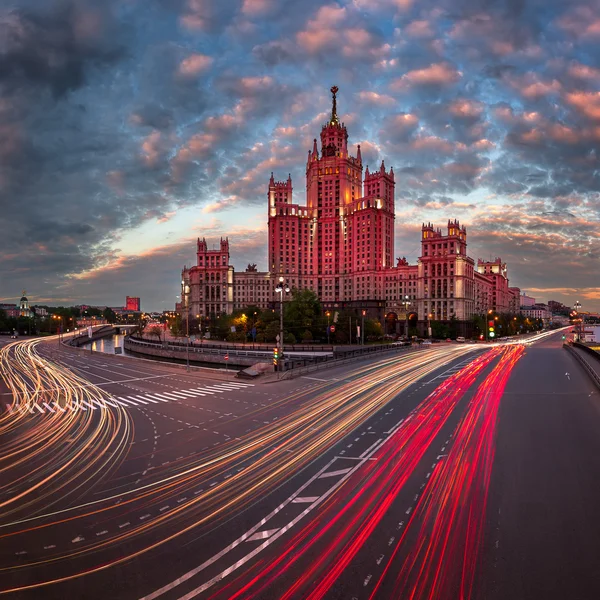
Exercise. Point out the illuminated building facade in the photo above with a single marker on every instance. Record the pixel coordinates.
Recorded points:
(339, 242)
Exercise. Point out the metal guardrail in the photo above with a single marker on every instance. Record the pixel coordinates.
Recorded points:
(293, 363)
(298, 371)
(590, 370)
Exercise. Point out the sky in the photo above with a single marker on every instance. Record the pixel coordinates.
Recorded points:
(128, 128)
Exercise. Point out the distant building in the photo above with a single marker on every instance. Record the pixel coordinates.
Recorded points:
(11, 310)
(132, 304)
(537, 311)
(24, 310)
(558, 307)
(526, 300)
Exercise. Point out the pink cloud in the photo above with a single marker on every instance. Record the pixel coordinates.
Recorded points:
(432, 142)
(375, 98)
(419, 29)
(586, 103)
(256, 8)
(151, 148)
(194, 64)
(441, 74)
(466, 109)
(584, 72)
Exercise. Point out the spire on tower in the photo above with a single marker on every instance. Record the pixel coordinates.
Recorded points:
(315, 151)
(272, 180)
(359, 155)
(334, 118)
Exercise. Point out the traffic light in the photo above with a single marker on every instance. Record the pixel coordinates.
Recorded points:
(491, 329)
(275, 356)
(564, 337)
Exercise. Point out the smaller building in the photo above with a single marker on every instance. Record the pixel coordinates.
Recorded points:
(537, 311)
(132, 304)
(24, 310)
(11, 310)
(526, 300)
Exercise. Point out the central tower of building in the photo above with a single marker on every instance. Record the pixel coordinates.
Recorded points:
(342, 239)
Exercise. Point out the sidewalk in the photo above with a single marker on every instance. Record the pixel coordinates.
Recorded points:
(588, 361)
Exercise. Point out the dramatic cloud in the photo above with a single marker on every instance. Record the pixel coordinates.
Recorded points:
(130, 128)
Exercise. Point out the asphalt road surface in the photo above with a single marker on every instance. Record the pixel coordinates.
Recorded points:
(447, 472)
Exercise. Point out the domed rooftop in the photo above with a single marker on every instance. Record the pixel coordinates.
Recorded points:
(24, 299)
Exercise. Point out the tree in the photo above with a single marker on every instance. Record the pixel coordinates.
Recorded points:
(155, 331)
(302, 312)
(176, 327)
(373, 330)
(109, 315)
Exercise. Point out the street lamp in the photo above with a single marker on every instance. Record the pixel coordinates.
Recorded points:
(253, 332)
(185, 293)
(429, 317)
(362, 328)
(328, 315)
(58, 326)
(282, 286)
(577, 309)
(406, 305)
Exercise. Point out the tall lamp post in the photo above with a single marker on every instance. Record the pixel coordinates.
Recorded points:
(362, 328)
(406, 303)
(327, 313)
(185, 293)
(282, 286)
(577, 309)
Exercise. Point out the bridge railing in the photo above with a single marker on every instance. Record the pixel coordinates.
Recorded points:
(591, 371)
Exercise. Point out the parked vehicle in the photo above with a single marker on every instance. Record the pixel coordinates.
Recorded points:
(460, 339)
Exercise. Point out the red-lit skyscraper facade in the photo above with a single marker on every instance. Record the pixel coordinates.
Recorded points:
(339, 242)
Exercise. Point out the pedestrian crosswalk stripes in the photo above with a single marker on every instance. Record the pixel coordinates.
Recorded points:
(130, 401)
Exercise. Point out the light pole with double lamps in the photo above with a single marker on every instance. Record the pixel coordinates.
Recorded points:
(282, 286)
(185, 293)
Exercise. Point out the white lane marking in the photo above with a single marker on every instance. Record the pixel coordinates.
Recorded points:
(157, 397)
(142, 398)
(317, 379)
(197, 393)
(48, 407)
(59, 407)
(262, 535)
(79, 538)
(335, 473)
(369, 448)
(110, 403)
(137, 399)
(173, 396)
(129, 403)
(39, 408)
(202, 390)
(257, 550)
(121, 403)
(88, 404)
(189, 394)
(305, 499)
(237, 385)
(124, 525)
(393, 429)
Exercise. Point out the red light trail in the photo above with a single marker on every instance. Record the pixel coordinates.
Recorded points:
(449, 513)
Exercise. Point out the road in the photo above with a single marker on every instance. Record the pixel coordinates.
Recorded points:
(424, 475)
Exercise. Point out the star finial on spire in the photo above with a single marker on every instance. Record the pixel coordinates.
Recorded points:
(334, 118)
